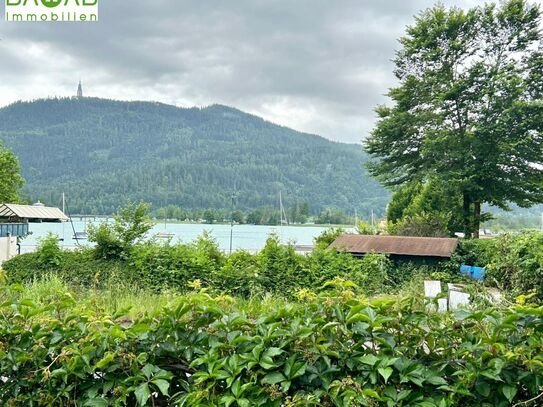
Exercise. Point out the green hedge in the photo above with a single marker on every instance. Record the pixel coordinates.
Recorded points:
(276, 269)
(513, 261)
(78, 267)
(514, 264)
(334, 350)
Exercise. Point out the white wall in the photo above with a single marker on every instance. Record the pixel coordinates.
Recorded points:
(8, 248)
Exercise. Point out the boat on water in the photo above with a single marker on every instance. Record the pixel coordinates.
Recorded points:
(80, 236)
(164, 235)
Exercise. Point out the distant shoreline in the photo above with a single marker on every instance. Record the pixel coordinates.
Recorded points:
(306, 225)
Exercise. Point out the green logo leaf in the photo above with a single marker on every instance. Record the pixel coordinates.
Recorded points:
(51, 3)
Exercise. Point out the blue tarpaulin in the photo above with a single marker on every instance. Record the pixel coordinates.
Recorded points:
(477, 273)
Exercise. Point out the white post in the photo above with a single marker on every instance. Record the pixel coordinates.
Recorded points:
(8, 249)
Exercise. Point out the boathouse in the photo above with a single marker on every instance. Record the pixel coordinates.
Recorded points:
(14, 224)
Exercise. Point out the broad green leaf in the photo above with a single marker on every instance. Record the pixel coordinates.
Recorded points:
(148, 370)
(385, 372)
(273, 378)
(436, 380)
(236, 388)
(509, 391)
(369, 359)
(271, 352)
(163, 385)
(228, 400)
(96, 402)
(371, 393)
(106, 360)
(142, 394)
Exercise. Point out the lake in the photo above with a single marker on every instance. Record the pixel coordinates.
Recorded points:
(247, 237)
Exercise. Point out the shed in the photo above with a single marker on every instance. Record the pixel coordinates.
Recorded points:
(13, 213)
(398, 247)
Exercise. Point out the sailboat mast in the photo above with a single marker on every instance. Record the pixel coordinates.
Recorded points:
(355, 218)
(282, 212)
(63, 211)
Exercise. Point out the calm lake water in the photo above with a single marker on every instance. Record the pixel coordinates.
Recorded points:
(248, 237)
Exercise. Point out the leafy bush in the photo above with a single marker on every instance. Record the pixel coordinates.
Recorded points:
(334, 350)
(327, 237)
(280, 267)
(324, 265)
(160, 266)
(241, 275)
(49, 252)
(277, 269)
(114, 241)
(516, 263)
(423, 224)
(364, 228)
(475, 252)
(79, 267)
(373, 276)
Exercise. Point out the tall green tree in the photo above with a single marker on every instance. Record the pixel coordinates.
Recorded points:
(432, 199)
(10, 177)
(469, 107)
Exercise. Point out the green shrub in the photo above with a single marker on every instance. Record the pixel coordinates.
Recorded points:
(475, 252)
(516, 263)
(78, 268)
(240, 276)
(49, 252)
(428, 224)
(280, 267)
(334, 350)
(364, 228)
(374, 275)
(160, 266)
(327, 237)
(324, 265)
(115, 241)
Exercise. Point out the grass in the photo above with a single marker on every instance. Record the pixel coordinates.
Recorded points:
(129, 301)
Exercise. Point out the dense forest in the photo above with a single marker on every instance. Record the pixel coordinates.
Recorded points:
(103, 153)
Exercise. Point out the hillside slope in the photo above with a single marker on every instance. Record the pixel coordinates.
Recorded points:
(103, 153)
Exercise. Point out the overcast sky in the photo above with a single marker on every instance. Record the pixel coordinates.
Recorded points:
(319, 66)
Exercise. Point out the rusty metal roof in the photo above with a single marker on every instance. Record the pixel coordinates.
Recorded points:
(34, 212)
(400, 245)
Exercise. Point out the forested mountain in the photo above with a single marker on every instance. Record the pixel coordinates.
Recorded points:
(102, 153)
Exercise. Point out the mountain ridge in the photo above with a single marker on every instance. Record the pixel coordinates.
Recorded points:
(104, 152)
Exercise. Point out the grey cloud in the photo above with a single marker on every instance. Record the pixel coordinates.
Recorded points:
(315, 65)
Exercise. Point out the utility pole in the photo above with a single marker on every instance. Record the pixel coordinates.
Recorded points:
(232, 223)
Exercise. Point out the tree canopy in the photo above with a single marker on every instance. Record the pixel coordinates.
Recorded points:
(469, 108)
(10, 178)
